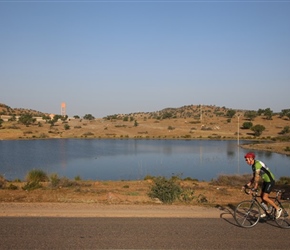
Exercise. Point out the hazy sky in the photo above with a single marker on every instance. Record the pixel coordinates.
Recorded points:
(111, 57)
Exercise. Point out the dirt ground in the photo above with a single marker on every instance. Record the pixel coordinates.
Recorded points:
(97, 210)
(117, 199)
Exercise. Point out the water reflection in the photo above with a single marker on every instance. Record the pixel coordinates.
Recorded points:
(131, 159)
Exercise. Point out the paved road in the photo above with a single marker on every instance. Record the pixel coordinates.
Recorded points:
(137, 233)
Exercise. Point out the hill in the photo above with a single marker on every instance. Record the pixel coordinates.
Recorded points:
(187, 122)
(6, 110)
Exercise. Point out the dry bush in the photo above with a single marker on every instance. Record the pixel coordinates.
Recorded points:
(2, 181)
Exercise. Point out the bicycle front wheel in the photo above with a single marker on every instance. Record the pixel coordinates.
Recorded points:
(247, 214)
(284, 220)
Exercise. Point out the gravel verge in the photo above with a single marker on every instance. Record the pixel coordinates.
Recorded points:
(100, 210)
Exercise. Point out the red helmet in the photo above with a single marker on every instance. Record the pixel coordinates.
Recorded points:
(250, 155)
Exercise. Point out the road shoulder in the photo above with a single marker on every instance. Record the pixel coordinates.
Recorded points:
(100, 210)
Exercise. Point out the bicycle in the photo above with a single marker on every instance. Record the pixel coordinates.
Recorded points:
(248, 213)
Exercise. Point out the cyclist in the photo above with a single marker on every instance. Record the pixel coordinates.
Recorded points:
(260, 169)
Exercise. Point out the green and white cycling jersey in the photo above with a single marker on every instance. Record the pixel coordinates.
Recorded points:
(261, 169)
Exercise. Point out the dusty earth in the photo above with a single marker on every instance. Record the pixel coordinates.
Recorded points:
(97, 210)
(117, 199)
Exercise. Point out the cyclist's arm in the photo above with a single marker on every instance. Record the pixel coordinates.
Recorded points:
(255, 180)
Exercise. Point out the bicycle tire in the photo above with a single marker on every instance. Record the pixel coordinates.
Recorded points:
(247, 214)
(284, 220)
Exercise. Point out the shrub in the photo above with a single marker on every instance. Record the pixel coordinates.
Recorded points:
(54, 180)
(31, 185)
(166, 190)
(258, 129)
(284, 180)
(247, 125)
(78, 178)
(2, 181)
(149, 177)
(187, 195)
(88, 134)
(285, 130)
(36, 175)
(12, 187)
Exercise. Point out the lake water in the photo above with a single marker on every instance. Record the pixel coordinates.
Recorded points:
(98, 159)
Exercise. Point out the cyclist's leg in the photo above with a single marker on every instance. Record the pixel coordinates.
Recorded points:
(266, 190)
(284, 220)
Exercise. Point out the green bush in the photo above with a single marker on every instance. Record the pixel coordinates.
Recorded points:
(36, 175)
(31, 185)
(54, 180)
(78, 178)
(247, 125)
(187, 195)
(258, 129)
(66, 126)
(166, 190)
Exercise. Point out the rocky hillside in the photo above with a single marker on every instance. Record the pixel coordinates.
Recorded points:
(6, 110)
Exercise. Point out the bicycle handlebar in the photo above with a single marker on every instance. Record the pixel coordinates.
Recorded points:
(249, 190)
(254, 192)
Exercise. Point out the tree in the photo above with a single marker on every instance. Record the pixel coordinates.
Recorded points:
(76, 117)
(231, 113)
(54, 120)
(66, 127)
(251, 115)
(258, 129)
(285, 112)
(268, 113)
(261, 111)
(88, 117)
(247, 125)
(12, 118)
(46, 118)
(63, 117)
(26, 119)
(1, 121)
(167, 115)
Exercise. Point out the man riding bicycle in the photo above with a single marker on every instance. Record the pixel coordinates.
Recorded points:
(259, 168)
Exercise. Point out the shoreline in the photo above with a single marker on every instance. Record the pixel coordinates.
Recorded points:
(260, 144)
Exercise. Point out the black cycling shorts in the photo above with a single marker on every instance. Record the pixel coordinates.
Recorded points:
(268, 186)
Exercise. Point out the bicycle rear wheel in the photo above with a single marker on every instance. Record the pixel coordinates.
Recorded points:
(247, 214)
(284, 220)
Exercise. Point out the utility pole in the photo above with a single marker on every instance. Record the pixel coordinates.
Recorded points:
(200, 112)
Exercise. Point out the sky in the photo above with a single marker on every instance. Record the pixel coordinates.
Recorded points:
(120, 57)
